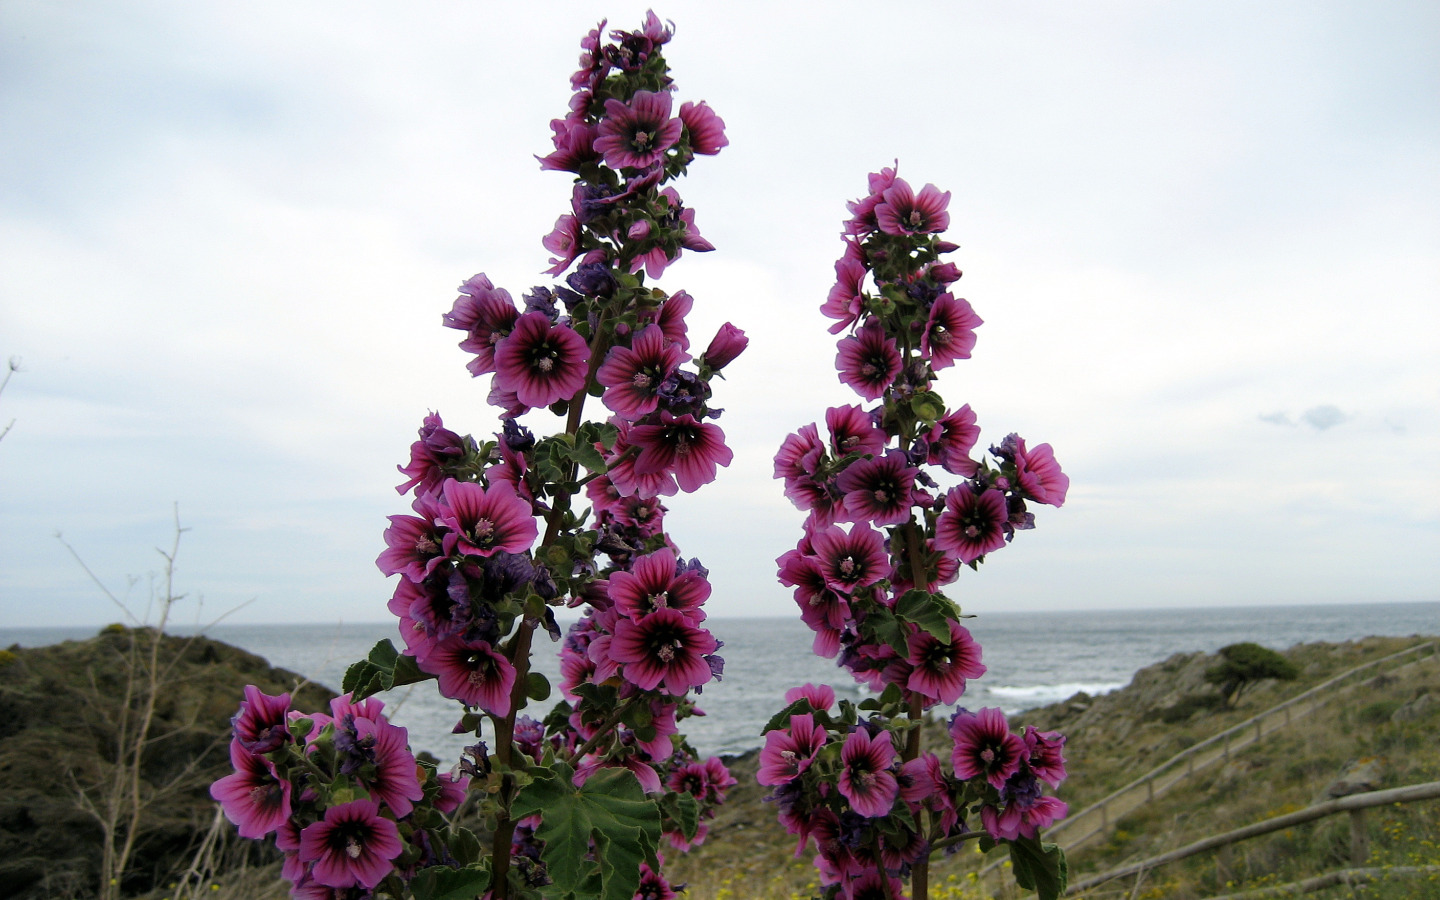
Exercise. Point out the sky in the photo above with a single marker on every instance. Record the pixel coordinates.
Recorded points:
(1204, 238)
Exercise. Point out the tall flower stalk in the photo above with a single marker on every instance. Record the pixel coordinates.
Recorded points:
(504, 530)
(883, 535)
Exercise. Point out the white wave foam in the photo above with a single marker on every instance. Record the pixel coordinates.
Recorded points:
(1031, 696)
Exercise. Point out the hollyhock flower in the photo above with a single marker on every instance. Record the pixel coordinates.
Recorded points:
(865, 777)
(706, 130)
(592, 59)
(369, 708)
(868, 361)
(671, 318)
(972, 524)
(453, 788)
(414, 545)
(255, 797)
(1038, 473)
(394, 781)
(985, 746)
(438, 447)
(628, 481)
(951, 440)
(949, 331)
(903, 212)
(728, 343)
(487, 314)
(823, 609)
(852, 430)
(871, 886)
(663, 648)
(261, 724)
(565, 242)
(851, 561)
(706, 781)
(576, 668)
(644, 772)
(846, 300)
(473, 673)
(352, 846)
(862, 221)
(574, 142)
(633, 375)
(637, 134)
(689, 449)
(788, 753)
(485, 522)
(878, 489)
(940, 668)
(798, 453)
(1045, 754)
(541, 362)
(684, 217)
(1022, 819)
(820, 697)
(653, 885)
(653, 584)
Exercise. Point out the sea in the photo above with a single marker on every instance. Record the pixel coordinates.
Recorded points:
(1032, 659)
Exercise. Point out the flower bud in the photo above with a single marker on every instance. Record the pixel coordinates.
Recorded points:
(728, 343)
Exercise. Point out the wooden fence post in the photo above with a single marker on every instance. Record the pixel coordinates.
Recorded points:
(1359, 838)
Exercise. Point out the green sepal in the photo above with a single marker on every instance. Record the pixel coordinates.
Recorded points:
(445, 883)
(928, 407)
(1039, 867)
(383, 669)
(611, 810)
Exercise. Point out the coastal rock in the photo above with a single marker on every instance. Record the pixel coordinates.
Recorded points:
(1361, 775)
(1415, 710)
(63, 710)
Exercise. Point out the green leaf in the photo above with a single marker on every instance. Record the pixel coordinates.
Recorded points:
(463, 845)
(1039, 867)
(587, 456)
(922, 609)
(887, 629)
(782, 718)
(445, 883)
(687, 813)
(610, 809)
(383, 669)
(537, 687)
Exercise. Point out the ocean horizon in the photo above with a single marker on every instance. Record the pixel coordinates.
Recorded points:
(1032, 659)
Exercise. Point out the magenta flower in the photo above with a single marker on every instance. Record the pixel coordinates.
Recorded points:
(951, 441)
(985, 746)
(852, 430)
(564, 241)
(574, 146)
(865, 776)
(487, 314)
(940, 668)
(394, 781)
(473, 673)
(485, 522)
(255, 797)
(972, 524)
(541, 362)
(438, 446)
(414, 546)
(728, 343)
(352, 846)
(653, 584)
(637, 135)
(846, 300)
(820, 606)
(261, 724)
(820, 697)
(633, 375)
(663, 648)
(453, 787)
(1040, 477)
(877, 489)
(672, 318)
(851, 561)
(949, 332)
(689, 449)
(905, 213)
(1046, 754)
(868, 361)
(706, 130)
(788, 754)
(862, 221)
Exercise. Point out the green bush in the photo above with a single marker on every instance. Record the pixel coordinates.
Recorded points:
(1243, 665)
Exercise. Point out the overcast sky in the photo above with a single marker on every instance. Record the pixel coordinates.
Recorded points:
(1204, 238)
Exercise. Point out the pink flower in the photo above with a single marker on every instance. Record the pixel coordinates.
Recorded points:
(728, 343)
(564, 242)
(787, 754)
(394, 781)
(868, 361)
(541, 362)
(1046, 754)
(865, 777)
(846, 300)
(654, 584)
(664, 648)
(473, 673)
(633, 375)
(414, 546)
(706, 130)
(985, 747)
(972, 524)
(951, 441)
(485, 522)
(637, 135)
(1040, 477)
(487, 315)
(852, 430)
(820, 697)
(453, 787)
(878, 489)
(255, 798)
(438, 446)
(940, 669)
(574, 146)
(261, 724)
(905, 213)
(851, 561)
(949, 332)
(352, 846)
(689, 449)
